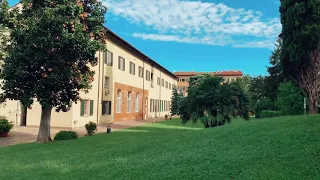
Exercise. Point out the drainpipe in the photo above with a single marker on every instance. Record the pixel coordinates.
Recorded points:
(160, 93)
(99, 62)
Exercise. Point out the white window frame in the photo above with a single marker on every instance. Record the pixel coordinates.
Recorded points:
(118, 103)
(108, 58)
(129, 102)
(132, 69)
(137, 102)
(86, 108)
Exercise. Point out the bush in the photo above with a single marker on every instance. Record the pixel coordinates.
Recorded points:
(66, 135)
(264, 104)
(5, 126)
(270, 114)
(290, 99)
(91, 128)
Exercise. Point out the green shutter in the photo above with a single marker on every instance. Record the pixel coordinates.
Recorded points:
(91, 107)
(82, 108)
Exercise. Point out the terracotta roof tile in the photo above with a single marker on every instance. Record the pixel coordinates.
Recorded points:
(219, 73)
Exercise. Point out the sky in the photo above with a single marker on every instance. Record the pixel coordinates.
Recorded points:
(203, 36)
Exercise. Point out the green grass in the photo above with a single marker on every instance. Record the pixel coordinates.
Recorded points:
(278, 148)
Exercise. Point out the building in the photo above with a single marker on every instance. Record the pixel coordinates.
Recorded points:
(183, 77)
(128, 85)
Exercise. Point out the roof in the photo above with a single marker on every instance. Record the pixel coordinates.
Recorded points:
(146, 58)
(218, 73)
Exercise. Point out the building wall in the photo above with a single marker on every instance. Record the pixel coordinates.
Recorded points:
(58, 119)
(11, 111)
(132, 114)
(155, 91)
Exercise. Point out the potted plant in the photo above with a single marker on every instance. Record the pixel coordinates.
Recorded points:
(5, 127)
(166, 116)
(91, 128)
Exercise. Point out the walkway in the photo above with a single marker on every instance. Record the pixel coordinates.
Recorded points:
(21, 135)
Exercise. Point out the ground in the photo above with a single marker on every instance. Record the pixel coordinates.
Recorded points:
(277, 148)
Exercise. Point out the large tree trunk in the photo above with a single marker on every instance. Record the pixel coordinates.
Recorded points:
(44, 129)
(313, 105)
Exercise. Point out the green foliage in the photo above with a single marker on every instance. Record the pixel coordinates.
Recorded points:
(184, 110)
(174, 110)
(264, 104)
(54, 43)
(91, 128)
(66, 135)
(5, 126)
(257, 90)
(270, 114)
(212, 102)
(300, 21)
(290, 99)
(275, 71)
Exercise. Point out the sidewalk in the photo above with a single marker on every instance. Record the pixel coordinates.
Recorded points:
(20, 135)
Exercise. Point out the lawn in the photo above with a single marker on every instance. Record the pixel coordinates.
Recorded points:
(277, 148)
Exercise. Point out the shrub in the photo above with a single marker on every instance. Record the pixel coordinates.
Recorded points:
(264, 104)
(290, 99)
(5, 126)
(91, 128)
(66, 135)
(270, 114)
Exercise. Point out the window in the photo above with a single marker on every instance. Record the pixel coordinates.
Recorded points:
(86, 108)
(106, 107)
(166, 84)
(129, 102)
(132, 68)
(119, 101)
(137, 102)
(158, 81)
(162, 83)
(107, 83)
(147, 75)
(121, 63)
(169, 85)
(140, 72)
(108, 58)
(151, 102)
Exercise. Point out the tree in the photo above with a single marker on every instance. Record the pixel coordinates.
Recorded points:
(53, 46)
(244, 82)
(214, 103)
(290, 99)
(300, 21)
(310, 81)
(257, 90)
(4, 35)
(275, 71)
(176, 96)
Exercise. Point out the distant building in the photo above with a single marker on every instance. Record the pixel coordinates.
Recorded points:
(183, 77)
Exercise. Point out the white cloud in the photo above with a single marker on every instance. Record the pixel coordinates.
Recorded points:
(202, 22)
(209, 40)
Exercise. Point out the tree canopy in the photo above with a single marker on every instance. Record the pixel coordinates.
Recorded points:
(213, 102)
(300, 21)
(53, 46)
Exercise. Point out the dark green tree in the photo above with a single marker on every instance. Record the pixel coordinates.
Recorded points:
(300, 21)
(257, 89)
(176, 96)
(214, 103)
(290, 99)
(275, 71)
(53, 46)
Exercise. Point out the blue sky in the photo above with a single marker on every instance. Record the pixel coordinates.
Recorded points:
(206, 35)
